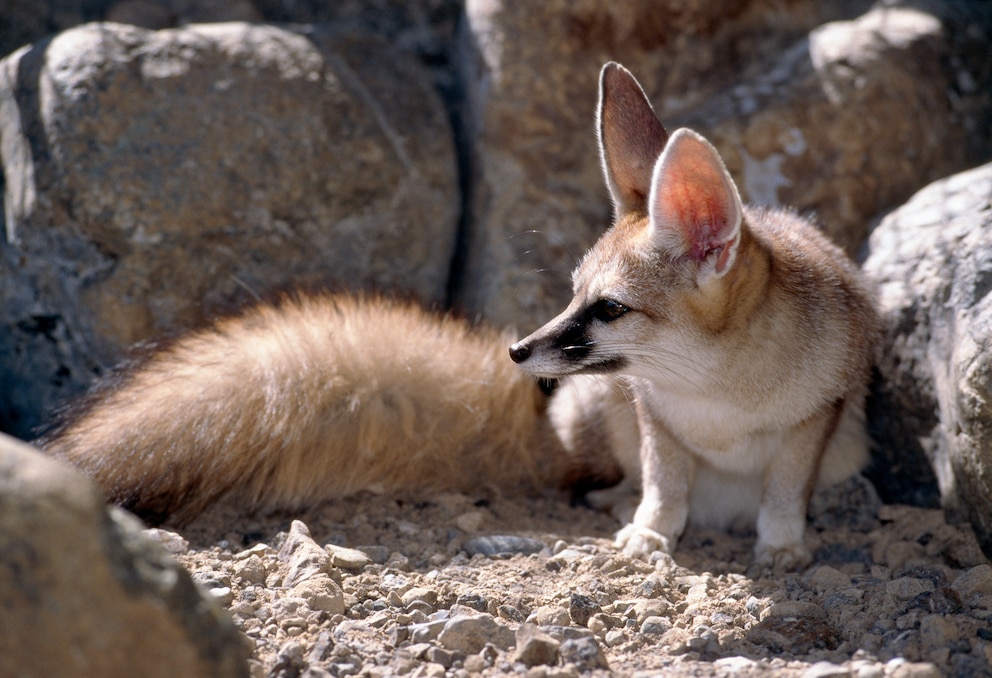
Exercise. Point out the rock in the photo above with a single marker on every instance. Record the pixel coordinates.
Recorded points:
(815, 116)
(820, 128)
(502, 545)
(936, 633)
(900, 668)
(655, 626)
(826, 670)
(792, 609)
(470, 521)
(549, 615)
(428, 631)
(305, 556)
(251, 570)
(793, 634)
(71, 568)
(159, 176)
(534, 647)
(737, 666)
(321, 593)
(474, 601)
(290, 660)
(347, 559)
(585, 653)
(826, 578)
(580, 608)
(171, 541)
(419, 594)
(222, 594)
(932, 406)
(538, 199)
(470, 634)
(907, 588)
(975, 581)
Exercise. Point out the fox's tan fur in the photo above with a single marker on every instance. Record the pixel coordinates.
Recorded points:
(313, 398)
(742, 336)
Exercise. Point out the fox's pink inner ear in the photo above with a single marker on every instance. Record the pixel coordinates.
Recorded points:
(694, 206)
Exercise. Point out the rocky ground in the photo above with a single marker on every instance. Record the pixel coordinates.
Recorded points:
(459, 585)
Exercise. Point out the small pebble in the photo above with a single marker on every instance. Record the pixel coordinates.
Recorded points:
(974, 582)
(655, 626)
(826, 670)
(470, 634)
(173, 543)
(501, 545)
(585, 653)
(222, 594)
(347, 559)
(907, 588)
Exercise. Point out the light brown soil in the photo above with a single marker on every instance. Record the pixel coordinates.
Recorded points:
(894, 591)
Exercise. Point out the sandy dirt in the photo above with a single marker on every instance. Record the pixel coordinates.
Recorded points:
(375, 586)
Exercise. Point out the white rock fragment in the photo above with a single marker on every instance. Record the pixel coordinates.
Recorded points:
(347, 559)
(321, 594)
(170, 541)
(305, 556)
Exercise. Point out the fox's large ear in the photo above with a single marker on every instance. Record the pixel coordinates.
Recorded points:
(694, 205)
(630, 138)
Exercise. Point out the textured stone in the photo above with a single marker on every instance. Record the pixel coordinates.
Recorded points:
(580, 608)
(154, 178)
(470, 633)
(87, 594)
(346, 558)
(534, 647)
(305, 556)
(825, 127)
(585, 653)
(932, 408)
(805, 113)
(321, 593)
(976, 581)
(792, 634)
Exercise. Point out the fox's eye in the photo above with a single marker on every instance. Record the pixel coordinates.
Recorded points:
(608, 310)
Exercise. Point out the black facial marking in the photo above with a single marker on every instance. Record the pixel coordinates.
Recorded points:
(575, 342)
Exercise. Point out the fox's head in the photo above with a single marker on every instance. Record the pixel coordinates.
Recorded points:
(668, 273)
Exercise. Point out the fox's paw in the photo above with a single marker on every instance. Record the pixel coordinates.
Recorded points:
(781, 558)
(638, 541)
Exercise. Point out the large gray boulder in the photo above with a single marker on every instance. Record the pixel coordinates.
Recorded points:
(838, 108)
(932, 261)
(85, 593)
(153, 178)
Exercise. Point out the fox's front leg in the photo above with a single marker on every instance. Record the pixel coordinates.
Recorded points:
(789, 482)
(666, 476)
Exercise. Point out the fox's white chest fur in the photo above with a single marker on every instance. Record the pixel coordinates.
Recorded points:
(740, 337)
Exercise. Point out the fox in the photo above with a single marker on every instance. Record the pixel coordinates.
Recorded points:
(736, 340)
(313, 397)
(713, 360)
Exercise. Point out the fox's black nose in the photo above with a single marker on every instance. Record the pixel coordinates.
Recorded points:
(519, 352)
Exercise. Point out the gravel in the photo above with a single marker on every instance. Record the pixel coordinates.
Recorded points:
(459, 585)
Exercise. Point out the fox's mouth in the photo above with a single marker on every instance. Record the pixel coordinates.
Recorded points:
(565, 369)
(604, 366)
